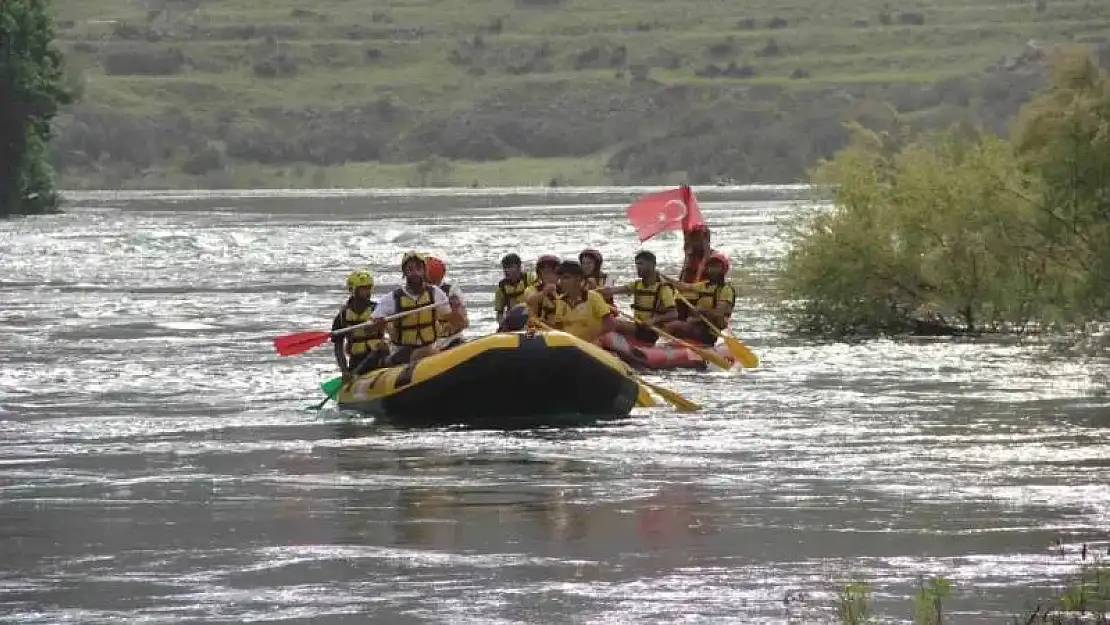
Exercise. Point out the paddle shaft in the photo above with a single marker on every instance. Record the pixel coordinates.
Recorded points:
(704, 352)
(389, 318)
(739, 351)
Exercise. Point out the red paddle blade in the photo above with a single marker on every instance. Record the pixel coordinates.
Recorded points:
(292, 344)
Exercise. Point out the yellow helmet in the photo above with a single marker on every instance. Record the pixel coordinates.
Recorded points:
(412, 256)
(359, 279)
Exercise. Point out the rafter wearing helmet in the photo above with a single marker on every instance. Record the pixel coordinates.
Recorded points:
(543, 294)
(414, 334)
(437, 274)
(595, 279)
(362, 350)
(714, 298)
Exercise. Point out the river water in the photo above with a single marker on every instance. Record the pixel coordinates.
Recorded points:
(158, 463)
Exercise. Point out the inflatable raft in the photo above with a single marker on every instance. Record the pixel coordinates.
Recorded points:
(501, 381)
(659, 356)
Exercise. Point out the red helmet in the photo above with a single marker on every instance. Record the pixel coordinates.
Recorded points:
(436, 269)
(547, 259)
(721, 258)
(591, 252)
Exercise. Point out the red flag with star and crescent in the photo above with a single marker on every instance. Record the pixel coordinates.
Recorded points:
(673, 209)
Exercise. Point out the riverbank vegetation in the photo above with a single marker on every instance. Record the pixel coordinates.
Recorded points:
(1084, 600)
(302, 93)
(32, 87)
(962, 230)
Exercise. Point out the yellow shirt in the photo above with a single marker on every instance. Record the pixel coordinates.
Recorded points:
(585, 319)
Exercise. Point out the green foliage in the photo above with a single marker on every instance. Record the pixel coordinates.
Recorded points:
(928, 604)
(853, 603)
(962, 230)
(32, 87)
(1084, 601)
(1063, 137)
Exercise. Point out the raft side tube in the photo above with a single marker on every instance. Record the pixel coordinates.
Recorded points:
(661, 356)
(502, 381)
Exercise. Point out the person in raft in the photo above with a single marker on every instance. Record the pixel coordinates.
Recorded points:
(542, 296)
(449, 332)
(510, 290)
(362, 350)
(596, 279)
(414, 335)
(715, 298)
(697, 251)
(653, 301)
(581, 311)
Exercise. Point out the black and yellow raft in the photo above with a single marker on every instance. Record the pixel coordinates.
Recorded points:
(506, 380)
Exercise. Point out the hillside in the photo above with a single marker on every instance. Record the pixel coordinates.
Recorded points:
(293, 93)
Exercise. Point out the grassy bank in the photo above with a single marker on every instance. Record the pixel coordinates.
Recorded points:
(244, 92)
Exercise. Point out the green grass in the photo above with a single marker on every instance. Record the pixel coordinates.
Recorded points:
(350, 52)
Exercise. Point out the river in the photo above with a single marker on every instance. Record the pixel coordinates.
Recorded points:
(158, 463)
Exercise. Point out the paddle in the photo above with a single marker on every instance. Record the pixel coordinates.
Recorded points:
(739, 351)
(679, 402)
(301, 342)
(706, 354)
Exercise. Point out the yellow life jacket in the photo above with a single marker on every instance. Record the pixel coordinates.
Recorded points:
(512, 294)
(645, 299)
(361, 340)
(711, 295)
(419, 329)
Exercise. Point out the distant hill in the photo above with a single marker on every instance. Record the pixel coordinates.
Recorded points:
(302, 93)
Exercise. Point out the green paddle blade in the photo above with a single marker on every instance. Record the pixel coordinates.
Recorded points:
(332, 386)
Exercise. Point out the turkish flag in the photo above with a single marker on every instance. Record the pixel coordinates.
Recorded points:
(673, 209)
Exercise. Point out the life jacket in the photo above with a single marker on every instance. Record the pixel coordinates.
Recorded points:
(711, 295)
(645, 299)
(361, 340)
(512, 293)
(419, 329)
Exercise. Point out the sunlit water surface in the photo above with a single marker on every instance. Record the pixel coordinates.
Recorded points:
(157, 462)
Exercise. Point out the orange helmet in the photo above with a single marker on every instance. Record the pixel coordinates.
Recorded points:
(721, 258)
(436, 269)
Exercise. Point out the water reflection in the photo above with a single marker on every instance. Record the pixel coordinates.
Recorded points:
(497, 505)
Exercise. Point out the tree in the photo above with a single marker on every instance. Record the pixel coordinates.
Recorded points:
(989, 233)
(32, 88)
(1063, 137)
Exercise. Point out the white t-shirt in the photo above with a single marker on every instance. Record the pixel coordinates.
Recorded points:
(387, 306)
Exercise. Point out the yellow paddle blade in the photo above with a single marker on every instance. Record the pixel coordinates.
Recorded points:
(711, 356)
(644, 398)
(743, 355)
(679, 402)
